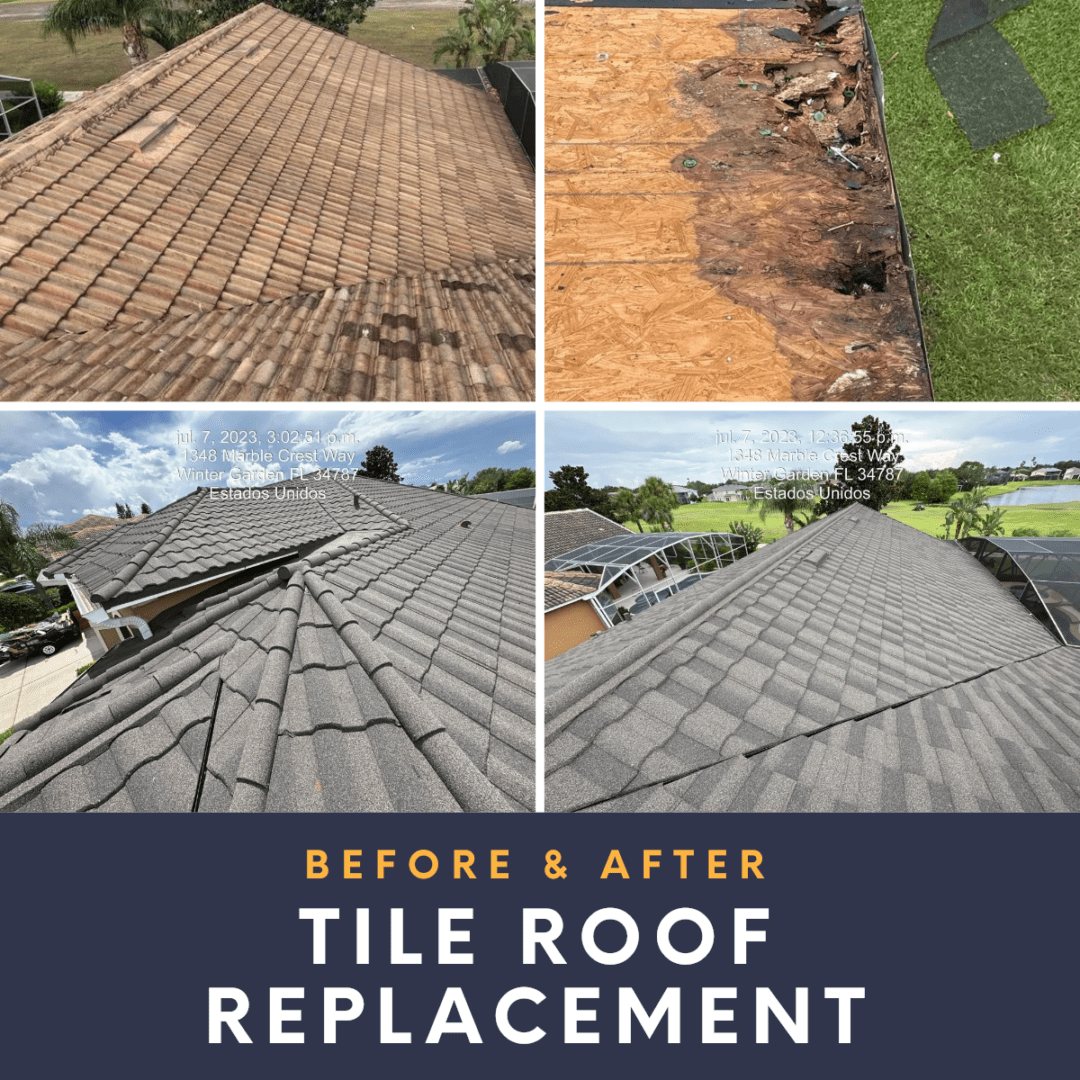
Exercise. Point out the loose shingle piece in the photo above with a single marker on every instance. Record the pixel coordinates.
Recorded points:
(270, 211)
(856, 665)
(384, 662)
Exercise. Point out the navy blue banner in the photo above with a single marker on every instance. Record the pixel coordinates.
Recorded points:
(933, 944)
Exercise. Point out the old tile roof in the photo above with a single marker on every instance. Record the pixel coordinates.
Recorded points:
(459, 334)
(565, 586)
(389, 669)
(565, 530)
(857, 664)
(272, 165)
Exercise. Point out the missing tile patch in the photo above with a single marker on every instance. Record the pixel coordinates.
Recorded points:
(154, 136)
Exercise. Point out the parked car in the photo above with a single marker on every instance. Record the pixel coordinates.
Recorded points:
(19, 587)
(45, 637)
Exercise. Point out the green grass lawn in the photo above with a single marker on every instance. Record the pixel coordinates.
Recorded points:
(996, 247)
(97, 59)
(410, 35)
(1046, 517)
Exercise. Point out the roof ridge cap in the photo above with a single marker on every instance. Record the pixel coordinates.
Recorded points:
(571, 700)
(470, 788)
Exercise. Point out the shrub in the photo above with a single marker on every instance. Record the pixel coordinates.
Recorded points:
(1025, 531)
(50, 97)
(18, 609)
(750, 533)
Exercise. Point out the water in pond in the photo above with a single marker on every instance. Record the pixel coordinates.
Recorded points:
(1026, 496)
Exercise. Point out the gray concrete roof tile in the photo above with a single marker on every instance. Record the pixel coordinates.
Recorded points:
(319, 687)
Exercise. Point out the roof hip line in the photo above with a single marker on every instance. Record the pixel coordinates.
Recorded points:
(573, 698)
(257, 762)
(468, 785)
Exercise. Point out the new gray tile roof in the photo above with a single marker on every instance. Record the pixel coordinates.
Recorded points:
(518, 497)
(386, 671)
(203, 535)
(565, 530)
(878, 643)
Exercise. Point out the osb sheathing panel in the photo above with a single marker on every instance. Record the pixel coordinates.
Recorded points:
(718, 282)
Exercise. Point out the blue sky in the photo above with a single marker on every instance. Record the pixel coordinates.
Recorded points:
(57, 465)
(623, 447)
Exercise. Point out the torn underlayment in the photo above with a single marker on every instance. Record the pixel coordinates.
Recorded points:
(984, 81)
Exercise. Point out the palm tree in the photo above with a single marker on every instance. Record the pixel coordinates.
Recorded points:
(21, 552)
(657, 501)
(626, 506)
(964, 512)
(492, 29)
(162, 21)
(785, 501)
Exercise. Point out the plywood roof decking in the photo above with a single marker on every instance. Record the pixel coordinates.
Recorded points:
(717, 281)
(264, 161)
(452, 335)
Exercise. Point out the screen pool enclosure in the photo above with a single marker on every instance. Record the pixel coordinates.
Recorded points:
(1042, 572)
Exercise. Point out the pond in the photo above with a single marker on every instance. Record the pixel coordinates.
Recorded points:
(1026, 496)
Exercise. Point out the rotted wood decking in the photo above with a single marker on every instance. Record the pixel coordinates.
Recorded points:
(702, 242)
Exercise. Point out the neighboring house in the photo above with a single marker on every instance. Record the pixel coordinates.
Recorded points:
(571, 615)
(1071, 474)
(727, 493)
(268, 212)
(565, 530)
(857, 664)
(628, 575)
(684, 494)
(517, 497)
(320, 644)
(1045, 474)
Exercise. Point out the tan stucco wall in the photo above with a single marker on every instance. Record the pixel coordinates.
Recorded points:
(568, 626)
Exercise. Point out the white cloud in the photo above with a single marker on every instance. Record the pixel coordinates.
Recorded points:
(509, 446)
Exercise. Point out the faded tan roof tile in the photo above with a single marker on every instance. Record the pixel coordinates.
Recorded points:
(265, 161)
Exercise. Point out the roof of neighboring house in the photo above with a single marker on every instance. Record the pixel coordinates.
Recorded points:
(844, 667)
(390, 668)
(269, 165)
(518, 497)
(565, 530)
(565, 586)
